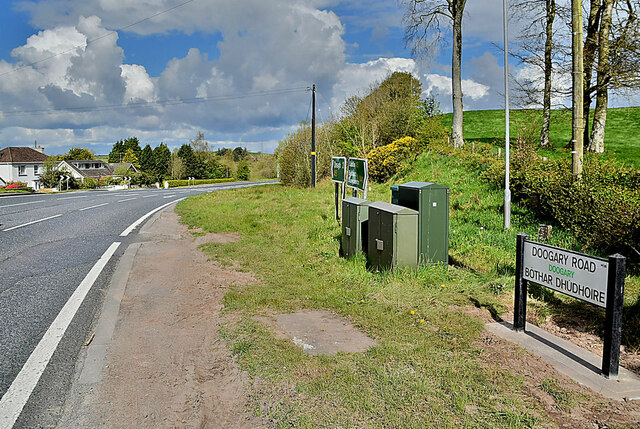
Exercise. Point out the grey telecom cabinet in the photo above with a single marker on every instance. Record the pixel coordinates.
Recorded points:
(355, 214)
(432, 203)
(393, 236)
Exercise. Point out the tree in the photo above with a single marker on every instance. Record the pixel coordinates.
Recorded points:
(161, 159)
(176, 166)
(117, 152)
(603, 76)
(50, 175)
(146, 159)
(240, 153)
(243, 171)
(424, 20)
(76, 153)
(133, 144)
(131, 157)
(193, 167)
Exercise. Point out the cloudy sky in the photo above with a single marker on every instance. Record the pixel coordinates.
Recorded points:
(90, 72)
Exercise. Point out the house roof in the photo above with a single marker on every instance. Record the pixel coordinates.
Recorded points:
(21, 154)
(128, 165)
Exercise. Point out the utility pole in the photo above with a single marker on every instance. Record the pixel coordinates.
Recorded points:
(313, 136)
(507, 190)
(578, 79)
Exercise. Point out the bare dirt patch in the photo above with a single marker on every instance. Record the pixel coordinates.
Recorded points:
(320, 332)
(167, 365)
(580, 408)
(217, 237)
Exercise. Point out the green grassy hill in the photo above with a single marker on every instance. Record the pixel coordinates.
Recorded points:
(622, 135)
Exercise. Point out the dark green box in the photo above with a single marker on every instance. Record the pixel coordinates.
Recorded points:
(393, 236)
(432, 202)
(354, 226)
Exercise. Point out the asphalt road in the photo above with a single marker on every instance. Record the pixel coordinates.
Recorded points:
(48, 246)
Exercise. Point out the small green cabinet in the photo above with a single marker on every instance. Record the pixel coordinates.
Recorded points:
(432, 203)
(393, 236)
(355, 214)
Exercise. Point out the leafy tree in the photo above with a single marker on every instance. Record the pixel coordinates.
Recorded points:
(50, 176)
(193, 167)
(146, 159)
(76, 153)
(133, 144)
(161, 160)
(117, 152)
(240, 153)
(131, 157)
(176, 166)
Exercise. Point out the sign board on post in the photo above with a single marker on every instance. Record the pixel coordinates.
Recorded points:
(358, 174)
(575, 274)
(338, 169)
(595, 280)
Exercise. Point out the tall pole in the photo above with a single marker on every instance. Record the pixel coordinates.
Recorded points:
(313, 137)
(507, 191)
(578, 78)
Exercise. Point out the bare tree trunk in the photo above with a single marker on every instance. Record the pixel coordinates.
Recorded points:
(457, 9)
(602, 99)
(578, 86)
(548, 67)
(589, 52)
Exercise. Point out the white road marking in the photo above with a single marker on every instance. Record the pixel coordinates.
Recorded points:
(93, 207)
(71, 198)
(169, 196)
(16, 397)
(31, 223)
(144, 217)
(148, 196)
(126, 199)
(21, 204)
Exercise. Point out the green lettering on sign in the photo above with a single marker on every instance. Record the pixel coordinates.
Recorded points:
(358, 174)
(338, 169)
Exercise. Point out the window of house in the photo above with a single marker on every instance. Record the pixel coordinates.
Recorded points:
(22, 170)
(36, 169)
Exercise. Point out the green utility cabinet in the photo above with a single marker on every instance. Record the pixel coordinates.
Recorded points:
(393, 236)
(394, 194)
(432, 203)
(355, 214)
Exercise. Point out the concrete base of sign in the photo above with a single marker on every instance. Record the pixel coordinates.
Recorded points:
(580, 365)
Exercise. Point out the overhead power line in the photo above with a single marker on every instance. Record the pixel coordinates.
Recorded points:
(166, 102)
(110, 33)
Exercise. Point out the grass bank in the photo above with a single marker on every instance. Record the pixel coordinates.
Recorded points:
(428, 368)
(622, 134)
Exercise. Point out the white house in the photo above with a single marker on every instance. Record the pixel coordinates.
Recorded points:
(94, 168)
(21, 164)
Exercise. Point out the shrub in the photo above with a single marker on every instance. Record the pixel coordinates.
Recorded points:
(176, 183)
(389, 160)
(243, 171)
(90, 183)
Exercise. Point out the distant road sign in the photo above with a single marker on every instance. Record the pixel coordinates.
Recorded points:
(338, 169)
(358, 174)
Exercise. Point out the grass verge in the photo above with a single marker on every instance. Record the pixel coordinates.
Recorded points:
(426, 370)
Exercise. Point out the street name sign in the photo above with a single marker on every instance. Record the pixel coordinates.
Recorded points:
(575, 274)
(338, 169)
(595, 280)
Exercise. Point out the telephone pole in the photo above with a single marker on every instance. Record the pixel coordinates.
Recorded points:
(313, 136)
(578, 78)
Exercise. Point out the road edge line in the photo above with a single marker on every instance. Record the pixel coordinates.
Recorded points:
(135, 224)
(16, 397)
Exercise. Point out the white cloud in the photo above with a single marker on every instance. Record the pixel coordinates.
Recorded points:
(442, 85)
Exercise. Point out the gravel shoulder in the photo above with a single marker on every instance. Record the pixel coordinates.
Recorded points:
(166, 365)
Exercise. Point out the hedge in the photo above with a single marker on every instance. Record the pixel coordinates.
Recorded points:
(176, 183)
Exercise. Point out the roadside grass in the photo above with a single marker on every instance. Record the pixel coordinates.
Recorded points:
(425, 369)
(622, 134)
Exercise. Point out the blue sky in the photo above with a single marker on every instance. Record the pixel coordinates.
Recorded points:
(259, 55)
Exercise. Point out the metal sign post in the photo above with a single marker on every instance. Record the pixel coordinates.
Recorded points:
(338, 176)
(597, 281)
